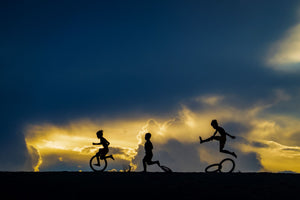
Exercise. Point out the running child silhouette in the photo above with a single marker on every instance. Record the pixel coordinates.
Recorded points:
(148, 149)
(221, 138)
(102, 151)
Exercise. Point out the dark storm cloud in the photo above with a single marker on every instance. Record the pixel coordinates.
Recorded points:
(237, 129)
(84, 60)
(295, 138)
(249, 162)
(179, 157)
(259, 144)
(186, 157)
(291, 149)
(68, 60)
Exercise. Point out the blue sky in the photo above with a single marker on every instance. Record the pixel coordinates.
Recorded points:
(67, 60)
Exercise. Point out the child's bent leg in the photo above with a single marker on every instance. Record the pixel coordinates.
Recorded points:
(226, 151)
(157, 162)
(153, 162)
(144, 165)
(110, 156)
(206, 140)
(98, 159)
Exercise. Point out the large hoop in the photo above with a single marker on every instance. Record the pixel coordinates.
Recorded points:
(101, 168)
(221, 165)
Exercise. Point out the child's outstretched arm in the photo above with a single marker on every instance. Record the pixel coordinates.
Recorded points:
(97, 143)
(233, 137)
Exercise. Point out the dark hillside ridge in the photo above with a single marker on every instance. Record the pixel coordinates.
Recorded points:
(134, 185)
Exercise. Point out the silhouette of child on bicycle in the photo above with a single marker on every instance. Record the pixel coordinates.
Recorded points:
(221, 138)
(102, 151)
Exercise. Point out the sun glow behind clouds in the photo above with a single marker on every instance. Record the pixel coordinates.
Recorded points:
(268, 136)
(75, 140)
(285, 54)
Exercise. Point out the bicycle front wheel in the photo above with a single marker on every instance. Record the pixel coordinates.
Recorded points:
(95, 167)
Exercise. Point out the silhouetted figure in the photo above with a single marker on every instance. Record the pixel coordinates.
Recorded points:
(102, 151)
(221, 138)
(148, 149)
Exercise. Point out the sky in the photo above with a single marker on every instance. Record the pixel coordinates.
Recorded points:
(71, 68)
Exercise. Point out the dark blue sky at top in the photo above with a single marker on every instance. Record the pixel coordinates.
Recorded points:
(62, 60)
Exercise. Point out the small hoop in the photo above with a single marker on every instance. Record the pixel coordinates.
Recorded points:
(211, 166)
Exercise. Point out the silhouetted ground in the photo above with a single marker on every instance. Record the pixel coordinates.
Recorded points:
(90, 185)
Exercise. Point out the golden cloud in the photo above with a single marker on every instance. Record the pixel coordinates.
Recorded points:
(285, 54)
(270, 136)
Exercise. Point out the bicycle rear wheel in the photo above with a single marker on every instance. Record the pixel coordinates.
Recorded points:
(94, 167)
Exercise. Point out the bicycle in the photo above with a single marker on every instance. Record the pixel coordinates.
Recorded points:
(102, 162)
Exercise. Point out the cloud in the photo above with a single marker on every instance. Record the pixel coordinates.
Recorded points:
(176, 155)
(53, 147)
(285, 54)
(36, 159)
(15, 155)
(292, 149)
(261, 143)
(278, 157)
(210, 100)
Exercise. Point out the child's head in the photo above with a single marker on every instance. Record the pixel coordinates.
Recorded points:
(214, 123)
(99, 134)
(147, 136)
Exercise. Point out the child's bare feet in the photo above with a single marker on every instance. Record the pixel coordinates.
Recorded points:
(201, 141)
(234, 154)
(111, 156)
